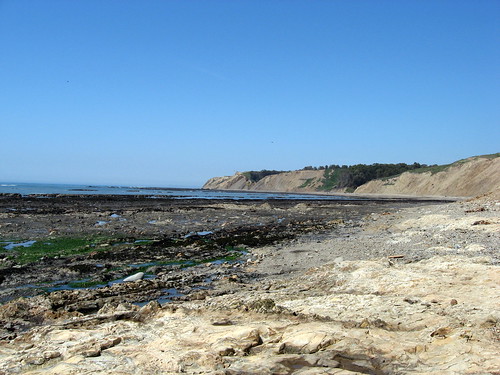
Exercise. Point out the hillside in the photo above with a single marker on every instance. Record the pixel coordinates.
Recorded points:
(295, 181)
(468, 177)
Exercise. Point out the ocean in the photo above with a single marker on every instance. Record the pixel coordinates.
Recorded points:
(26, 189)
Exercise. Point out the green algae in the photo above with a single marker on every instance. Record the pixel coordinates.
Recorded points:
(57, 247)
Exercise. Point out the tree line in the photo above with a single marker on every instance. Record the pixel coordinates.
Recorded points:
(352, 176)
(346, 176)
(255, 176)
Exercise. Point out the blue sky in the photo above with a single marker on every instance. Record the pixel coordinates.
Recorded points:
(171, 93)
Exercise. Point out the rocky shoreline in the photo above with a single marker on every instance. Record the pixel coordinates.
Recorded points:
(280, 287)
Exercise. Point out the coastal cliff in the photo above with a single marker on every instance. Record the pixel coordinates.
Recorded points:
(469, 177)
(295, 181)
(464, 178)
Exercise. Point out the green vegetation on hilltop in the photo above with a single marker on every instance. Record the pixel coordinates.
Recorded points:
(433, 169)
(350, 177)
(489, 156)
(306, 183)
(344, 177)
(255, 176)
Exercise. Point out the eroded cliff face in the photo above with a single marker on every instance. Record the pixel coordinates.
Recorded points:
(467, 178)
(295, 181)
(291, 181)
(236, 182)
(471, 177)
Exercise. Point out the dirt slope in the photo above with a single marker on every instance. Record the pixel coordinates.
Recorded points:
(470, 177)
(464, 178)
(235, 182)
(295, 181)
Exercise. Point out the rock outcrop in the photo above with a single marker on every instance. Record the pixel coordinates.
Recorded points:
(374, 315)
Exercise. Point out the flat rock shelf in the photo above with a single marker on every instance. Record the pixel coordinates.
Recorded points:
(248, 287)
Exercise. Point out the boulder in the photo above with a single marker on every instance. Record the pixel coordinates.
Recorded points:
(134, 277)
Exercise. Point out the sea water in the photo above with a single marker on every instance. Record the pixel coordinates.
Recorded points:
(152, 192)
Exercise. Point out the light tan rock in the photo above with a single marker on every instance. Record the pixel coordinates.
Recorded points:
(238, 342)
(343, 317)
(307, 341)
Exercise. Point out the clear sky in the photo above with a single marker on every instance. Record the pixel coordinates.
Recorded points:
(171, 93)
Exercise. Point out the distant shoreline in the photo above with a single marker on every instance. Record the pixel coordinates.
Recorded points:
(293, 197)
(55, 190)
(354, 196)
